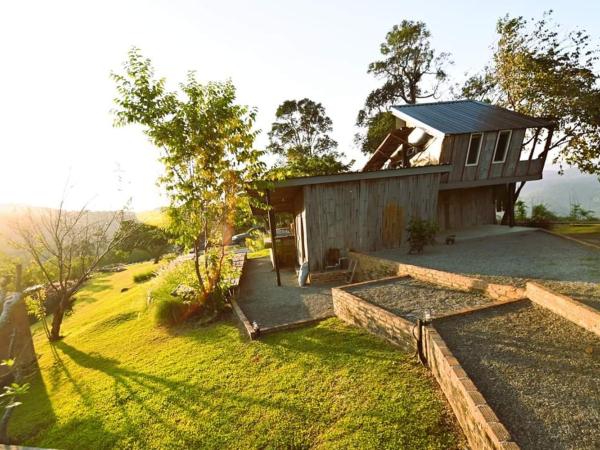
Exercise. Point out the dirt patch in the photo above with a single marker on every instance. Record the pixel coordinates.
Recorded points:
(409, 298)
(539, 372)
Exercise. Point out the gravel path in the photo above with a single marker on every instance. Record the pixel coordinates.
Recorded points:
(528, 254)
(539, 372)
(409, 298)
(271, 305)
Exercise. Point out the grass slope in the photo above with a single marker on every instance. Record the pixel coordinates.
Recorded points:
(589, 232)
(116, 381)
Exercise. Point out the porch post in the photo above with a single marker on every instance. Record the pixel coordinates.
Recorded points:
(272, 229)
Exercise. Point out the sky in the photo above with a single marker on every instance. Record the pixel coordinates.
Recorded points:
(56, 127)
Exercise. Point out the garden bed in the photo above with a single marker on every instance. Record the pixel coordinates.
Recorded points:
(410, 298)
(538, 371)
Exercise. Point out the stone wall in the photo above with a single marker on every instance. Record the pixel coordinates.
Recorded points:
(14, 327)
(330, 276)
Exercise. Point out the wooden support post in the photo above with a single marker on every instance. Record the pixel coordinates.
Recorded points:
(273, 231)
(511, 205)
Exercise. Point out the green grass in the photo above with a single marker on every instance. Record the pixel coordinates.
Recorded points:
(589, 232)
(117, 381)
(260, 253)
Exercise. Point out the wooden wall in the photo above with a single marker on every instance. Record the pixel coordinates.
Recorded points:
(454, 151)
(365, 215)
(463, 208)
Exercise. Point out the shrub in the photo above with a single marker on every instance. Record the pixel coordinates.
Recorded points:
(170, 311)
(420, 234)
(144, 276)
(541, 216)
(256, 242)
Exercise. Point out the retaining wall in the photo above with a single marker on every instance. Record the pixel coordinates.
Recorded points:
(577, 312)
(14, 327)
(372, 268)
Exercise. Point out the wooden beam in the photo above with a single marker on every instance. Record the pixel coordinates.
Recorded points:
(488, 182)
(273, 231)
(355, 176)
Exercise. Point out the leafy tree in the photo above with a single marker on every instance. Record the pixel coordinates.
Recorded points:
(520, 211)
(300, 137)
(411, 71)
(542, 216)
(136, 235)
(538, 70)
(579, 213)
(206, 142)
(66, 247)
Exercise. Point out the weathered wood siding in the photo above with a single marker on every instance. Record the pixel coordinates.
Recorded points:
(454, 151)
(365, 215)
(463, 208)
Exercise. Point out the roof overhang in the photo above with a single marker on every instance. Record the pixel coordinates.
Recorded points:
(356, 176)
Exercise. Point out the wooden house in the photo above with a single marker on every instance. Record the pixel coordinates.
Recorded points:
(456, 163)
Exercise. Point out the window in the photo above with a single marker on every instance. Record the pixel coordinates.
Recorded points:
(474, 148)
(502, 146)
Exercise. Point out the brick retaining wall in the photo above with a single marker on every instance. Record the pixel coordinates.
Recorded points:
(377, 320)
(480, 424)
(583, 315)
(372, 268)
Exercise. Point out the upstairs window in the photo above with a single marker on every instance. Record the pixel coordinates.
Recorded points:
(502, 146)
(474, 149)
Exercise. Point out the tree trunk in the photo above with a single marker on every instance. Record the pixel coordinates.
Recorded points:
(57, 320)
(156, 259)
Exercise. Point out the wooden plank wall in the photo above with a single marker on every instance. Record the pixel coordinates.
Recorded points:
(454, 151)
(463, 208)
(366, 215)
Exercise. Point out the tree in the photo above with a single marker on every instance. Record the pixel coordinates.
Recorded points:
(520, 211)
(579, 213)
(66, 247)
(300, 137)
(136, 235)
(411, 71)
(206, 142)
(538, 70)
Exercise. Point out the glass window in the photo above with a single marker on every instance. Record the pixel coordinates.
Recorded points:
(474, 147)
(502, 146)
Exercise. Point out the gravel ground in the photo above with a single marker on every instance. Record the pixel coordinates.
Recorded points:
(539, 372)
(271, 305)
(409, 298)
(527, 254)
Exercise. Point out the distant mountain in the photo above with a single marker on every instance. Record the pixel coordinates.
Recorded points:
(11, 213)
(558, 192)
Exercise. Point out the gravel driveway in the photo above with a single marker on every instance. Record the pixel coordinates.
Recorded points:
(270, 305)
(528, 254)
(539, 372)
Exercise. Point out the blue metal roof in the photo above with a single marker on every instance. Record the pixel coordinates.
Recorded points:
(466, 116)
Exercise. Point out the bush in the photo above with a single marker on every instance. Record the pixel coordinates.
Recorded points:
(144, 276)
(170, 311)
(420, 234)
(256, 242)
(541, 216)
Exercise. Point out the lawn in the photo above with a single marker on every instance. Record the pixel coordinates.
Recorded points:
(589, 232)
(117, 381)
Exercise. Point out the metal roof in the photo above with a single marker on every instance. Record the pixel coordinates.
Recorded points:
(466, 116)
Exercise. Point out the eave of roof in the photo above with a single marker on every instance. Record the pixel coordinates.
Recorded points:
(355, 176)
(465, 116)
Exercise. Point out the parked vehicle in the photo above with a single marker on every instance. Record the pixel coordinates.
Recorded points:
(240, 239)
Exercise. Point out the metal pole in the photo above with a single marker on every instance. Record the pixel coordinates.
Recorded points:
(271, 215)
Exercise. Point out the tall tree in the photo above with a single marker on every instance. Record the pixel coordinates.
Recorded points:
(206, 141)
(538, 70)
(66, 246)
(411, 71)
(300, 138)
